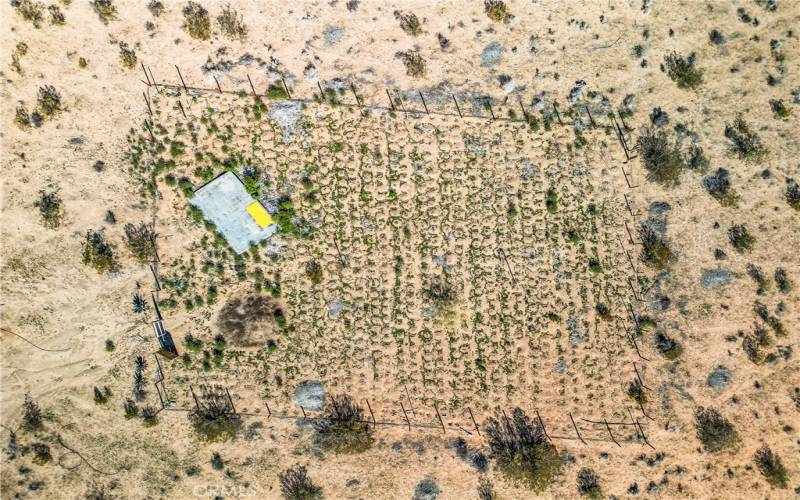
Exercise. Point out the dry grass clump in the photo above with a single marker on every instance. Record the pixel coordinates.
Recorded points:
(497, 10)
(522, 451)
(660, 157)
(56, 16)
(22, 119)
(48, 102)
(771, 467)
(232, 24)
(589, 484)
(745, 143)
(415, 64)
(30, 11)
(793, 193)
(753, 344)
(409, 22)
(682, 70)
(296, 485)
(197, 21)
(51, 208)
(105, 10)
(668, 347)
(98, 253)
(718, 186)
(342, 428)
(714, 431)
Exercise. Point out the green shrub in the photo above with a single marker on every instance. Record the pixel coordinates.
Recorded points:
(296, 485)
(277, 92)
(714, 431)
(48, 102)
(551, 200)
(741, 240)
(196, 21)
(131, 410)
(342, 428)
(50, 208)
(41, 453)
(782, 280)
(409, 23)
(771, 467)
(589, 484)
(745, 143)
(793, 193)
(98, 253)
(522, 451)
(127, 57)
(139, 239)
(105, 10)
(497, 10)
(660, 157)
(683, 71)
(30, 11)
(656, 252)
(231, 24)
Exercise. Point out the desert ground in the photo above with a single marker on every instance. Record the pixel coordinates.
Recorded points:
(524, 249)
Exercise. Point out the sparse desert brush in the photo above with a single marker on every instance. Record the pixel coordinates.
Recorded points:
(51, 209)
(779, 109)
(30, 11)
(682, 70)
(296, 485)
(660, 157)
(56, 16)
(589, 484)
(718, 186)
(656, 252)
(740, 238)
(149, 416)
(127, 56)
(22, 119)
(485, 489)
(754, 343)
(667, 346)
(440, 293)
(214, 419)
(551, 200)
(793, 193)
(197, 21)
(48, 101)
(32, 414)
(105, 10)
(41, 453)
(757, 274)
(101, 396)
(314, 272)
(231, 24)
(497, 10)
(785, 285)
(414, 62)
(155, 7)
(714, 431)
(342, 428)
(409, 22)
(771, 467)
(773, 321)
(98, 253)
(745, 143)
(522, 451)
(636, 392)
(139, 239)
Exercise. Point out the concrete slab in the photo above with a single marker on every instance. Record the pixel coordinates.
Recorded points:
(224, 201)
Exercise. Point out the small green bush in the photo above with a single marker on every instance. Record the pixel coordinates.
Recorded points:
(314, 272)
(409, 23)
(342, 428)
(231, 24)
(718, 186)
(48, 102)
(779, 109)
(296, 485)
(213, 419)
(771, 467)
(30, 11)
(51, 209)
(745, 143)
(32, 414)
(22, 119)
(98, 253)
(497, 10)
(656, 252)
(714, 431)
(522, 451)
(127, 56)
(741, 240)
(105, 10)
(197, 21)
(668, 347)
(551, 200)
(683, 70)
(56, 16)
(661, 157)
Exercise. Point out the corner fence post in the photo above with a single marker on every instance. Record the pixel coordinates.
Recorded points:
(146, 76)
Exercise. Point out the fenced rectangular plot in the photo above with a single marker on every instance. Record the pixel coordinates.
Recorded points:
(465, 262)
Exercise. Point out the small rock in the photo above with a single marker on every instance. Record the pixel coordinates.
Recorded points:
(427, 489)
(492, 54)
(333, 35)
(715, 278)
(310, 395)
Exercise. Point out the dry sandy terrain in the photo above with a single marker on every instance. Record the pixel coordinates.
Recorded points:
(442, 262)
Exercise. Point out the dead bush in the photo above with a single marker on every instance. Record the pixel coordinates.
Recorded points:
(745, 143)
(415, 64)
(51, 209)
(656, 252)
(214, 418)
(682, 70)
(589, 484)
(139, 240)
(741, 239)
(98, 253)
(409, 22)
(793, 193)
(231, 24)
(196, 21)
(342, 428)
(296, 485)
(660, 157)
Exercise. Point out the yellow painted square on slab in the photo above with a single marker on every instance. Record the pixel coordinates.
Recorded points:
(260, 215)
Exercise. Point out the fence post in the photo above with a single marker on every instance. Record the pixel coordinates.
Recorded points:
(181, 77)
(286, 87)
(423, 102)
(217, 82)
(439, 415)
(457, 108)
(477, 429)
(253, 89)
(576, 428)
(374, 423)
